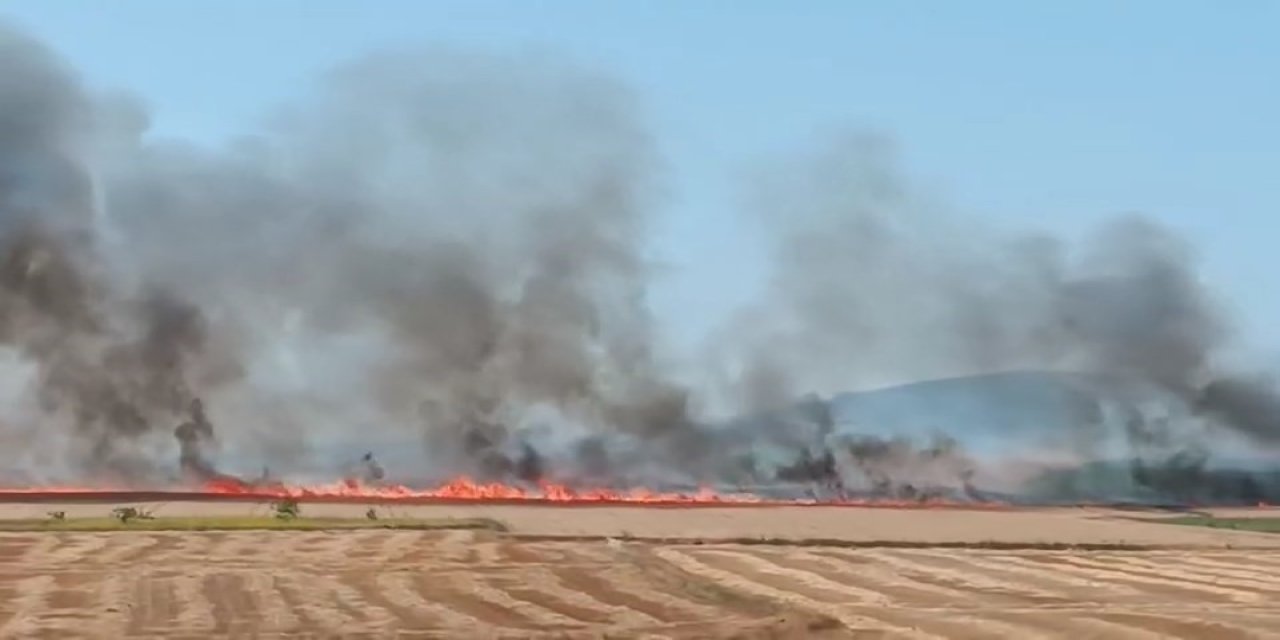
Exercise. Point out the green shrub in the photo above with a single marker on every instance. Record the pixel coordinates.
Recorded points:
(287, 509)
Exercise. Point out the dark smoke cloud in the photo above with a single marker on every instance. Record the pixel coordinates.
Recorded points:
(451, 248)
(457, 236)
(194, 436)
(1250, 404)
(112, 359)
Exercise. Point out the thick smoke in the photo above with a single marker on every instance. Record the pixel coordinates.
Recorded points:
(444, 243)
(113, 360)
(194, 436)
(451, 249)
(875, 283)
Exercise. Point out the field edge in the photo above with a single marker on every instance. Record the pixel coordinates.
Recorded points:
(244, 523)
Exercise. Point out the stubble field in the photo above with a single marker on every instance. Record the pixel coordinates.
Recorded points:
(649, 573)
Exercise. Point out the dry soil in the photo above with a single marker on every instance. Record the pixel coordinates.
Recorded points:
(468, 584)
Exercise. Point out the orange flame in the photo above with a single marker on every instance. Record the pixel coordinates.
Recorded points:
(464, 488)
(458, 490)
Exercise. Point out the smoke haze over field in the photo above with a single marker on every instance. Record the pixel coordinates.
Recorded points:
(450, 249)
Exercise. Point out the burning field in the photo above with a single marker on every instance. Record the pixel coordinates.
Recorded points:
(425, 286)
(445, 259)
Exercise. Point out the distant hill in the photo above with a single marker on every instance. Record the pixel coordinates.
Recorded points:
(1001, 413)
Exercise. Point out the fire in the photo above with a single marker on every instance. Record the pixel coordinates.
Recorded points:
(465, 489)
(457, 490)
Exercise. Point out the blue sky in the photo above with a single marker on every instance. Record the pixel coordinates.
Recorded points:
(1042, 115)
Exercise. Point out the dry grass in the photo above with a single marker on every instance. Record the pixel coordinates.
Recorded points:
(242, 523)
(1049, 528)
(1260, 525)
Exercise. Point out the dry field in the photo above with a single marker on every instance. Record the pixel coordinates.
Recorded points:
(476, 584)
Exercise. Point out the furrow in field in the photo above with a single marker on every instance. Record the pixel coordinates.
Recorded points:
(356, 595)
(314, 600)
(607, 587)
(497, 590)
(40, 550)
(395, 546)
(194, 611)
(1239, 566)
(464, 597)
(1266, 587)
(543, 588)
(1143, 591)
(944, 609)
(152, 601)
(14, 544)
(666, 590)
(767, 586)
(451, 547)
(901, 589)
(195, 546)
(1004, 566)
(1175, 625)
(424, 609)
(746, 563)
(223, 590)
(908, 592)
(992, 590)
(274, 611)
(123, 548)
(79, 549)
(28, 608)
(1113, 572)
(114, 603)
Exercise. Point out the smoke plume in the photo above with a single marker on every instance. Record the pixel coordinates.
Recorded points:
(450, 250)
(875, 282)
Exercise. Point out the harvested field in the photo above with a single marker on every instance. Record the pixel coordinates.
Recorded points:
(368, 583)
(484, 584)
(971, 593)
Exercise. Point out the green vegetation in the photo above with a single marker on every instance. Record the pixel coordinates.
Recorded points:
(287, 509)
(135, 520)
(1261, 525)
(125, 514)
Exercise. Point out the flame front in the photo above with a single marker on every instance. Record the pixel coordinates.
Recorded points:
(463, 488)
(458, 490)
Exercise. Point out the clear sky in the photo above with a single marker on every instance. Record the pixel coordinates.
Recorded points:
(1040, 114)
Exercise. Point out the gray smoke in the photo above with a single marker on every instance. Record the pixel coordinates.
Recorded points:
(194, 437)
(451, 249)
(876, 282)
(437, 242)
(112, 359)
(1248, 403)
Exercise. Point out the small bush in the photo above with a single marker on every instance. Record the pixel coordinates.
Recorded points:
(126, 514)
(287, 509)
(58, 515)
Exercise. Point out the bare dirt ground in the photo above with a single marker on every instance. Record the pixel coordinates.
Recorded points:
(468, 584)
(1078, 526)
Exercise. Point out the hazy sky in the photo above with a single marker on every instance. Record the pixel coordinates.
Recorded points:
(1040, 114)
